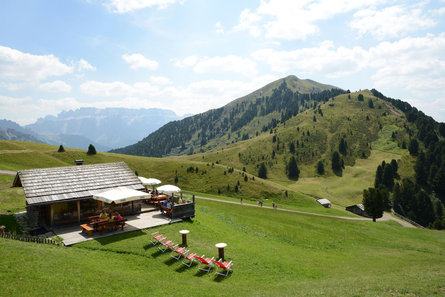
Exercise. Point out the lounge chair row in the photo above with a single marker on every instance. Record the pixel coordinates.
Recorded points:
(205, 263)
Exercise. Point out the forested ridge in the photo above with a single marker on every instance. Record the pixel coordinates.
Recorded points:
(422, 197)
(196, 133)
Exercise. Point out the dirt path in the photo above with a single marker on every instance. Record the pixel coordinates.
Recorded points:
(386, 217)
(8, 172)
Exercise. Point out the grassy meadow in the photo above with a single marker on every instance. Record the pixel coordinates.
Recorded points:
(209, 178)
(274, 254)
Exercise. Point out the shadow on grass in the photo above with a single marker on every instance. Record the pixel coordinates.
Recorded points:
(200, 273)
(184, 268)
(148, 246)
(121, 236)
(219, 278)
(157, 253)
(170, 261)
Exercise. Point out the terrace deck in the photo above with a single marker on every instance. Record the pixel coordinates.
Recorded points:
(73, 234)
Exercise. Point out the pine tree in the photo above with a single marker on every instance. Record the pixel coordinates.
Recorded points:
(413, 147)
(378, 177)
(388, 177)
(420, 169)
(373, 203)
(262, 171)
(91, 150)
(320, 167)
(343, 147)
(395, 167)
(360, 97)
(337, 163)
(370, 103)
(61, 149)
(292, 148)
(292, 169)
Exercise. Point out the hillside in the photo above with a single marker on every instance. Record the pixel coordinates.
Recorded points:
(241, 119)
(107, 128)
(275, 253)
(196, 176)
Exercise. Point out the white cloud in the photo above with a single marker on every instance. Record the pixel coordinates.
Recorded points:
(324, 59)
(193, 98)
(16, 65)
(290, 19)
(392, 21)
(249, 21)
(219, 28)
(186, 62)
(55, 86)
(234, 64)
(84, 65)
(118, 89)
(160, 80)
(137, 61)
(408, 56)
(125, 6)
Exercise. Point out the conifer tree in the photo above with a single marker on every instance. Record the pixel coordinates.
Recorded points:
(413, 147)
(337, 163)
(373, 203)
(292, 169)
(61, 149)
(320, 167)
(91, 150)
(262, 171)
(343, 147)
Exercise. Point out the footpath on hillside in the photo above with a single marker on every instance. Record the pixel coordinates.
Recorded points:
(8, 172)
(386, 217)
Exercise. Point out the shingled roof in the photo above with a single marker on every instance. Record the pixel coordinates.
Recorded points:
(61, 184)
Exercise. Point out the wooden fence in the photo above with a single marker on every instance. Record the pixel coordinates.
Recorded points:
(27, 238)
(408, 220)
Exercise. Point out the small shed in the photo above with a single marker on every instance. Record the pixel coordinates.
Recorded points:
(60, 195)
(358, 209)
(325, 202)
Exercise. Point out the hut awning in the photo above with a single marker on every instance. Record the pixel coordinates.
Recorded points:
(120, 194)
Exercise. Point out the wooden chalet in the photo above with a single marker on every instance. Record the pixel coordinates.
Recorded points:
(358, 209)
(61, 195)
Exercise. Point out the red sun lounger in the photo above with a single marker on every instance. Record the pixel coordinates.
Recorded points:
(189, 260)
(224, 266)
(180, 252)
(206, 262)
(165, 245)
(157, 238)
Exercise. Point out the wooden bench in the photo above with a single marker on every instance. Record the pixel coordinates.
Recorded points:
(87, 229)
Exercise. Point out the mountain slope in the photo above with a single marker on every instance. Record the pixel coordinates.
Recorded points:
(275, 102)
(109, 127)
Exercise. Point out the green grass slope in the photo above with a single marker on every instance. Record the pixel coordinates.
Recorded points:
(205, 177)
(274, 254)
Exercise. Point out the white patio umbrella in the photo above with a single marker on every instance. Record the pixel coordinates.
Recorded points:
(149, 181)
(120, 195)
(169, 189)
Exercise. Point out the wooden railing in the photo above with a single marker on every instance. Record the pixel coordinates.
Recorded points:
(408, 220)
(28, 238)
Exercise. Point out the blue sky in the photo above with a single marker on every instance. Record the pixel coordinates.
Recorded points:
(193, 55)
